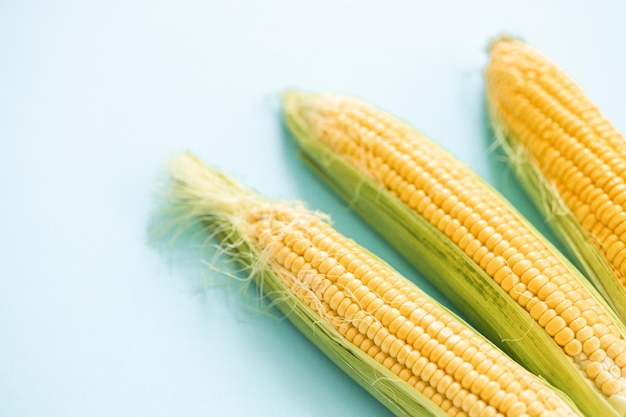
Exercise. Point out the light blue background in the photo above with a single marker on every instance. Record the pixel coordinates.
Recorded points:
(95, 96)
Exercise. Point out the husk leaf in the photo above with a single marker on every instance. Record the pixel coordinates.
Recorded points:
(199, 191)
(488, 308)
(577, 241)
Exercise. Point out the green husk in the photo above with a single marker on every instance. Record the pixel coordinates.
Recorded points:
(203, 193)
(487, 306)
(563, 223)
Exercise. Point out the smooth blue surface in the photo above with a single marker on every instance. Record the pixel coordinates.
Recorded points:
(96, 96)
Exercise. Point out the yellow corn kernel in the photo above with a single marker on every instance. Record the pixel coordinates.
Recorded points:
(570, 159)
(375, 150)
(410, 344)
(375, 314)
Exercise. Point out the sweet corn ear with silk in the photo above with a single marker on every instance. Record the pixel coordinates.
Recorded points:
(408, 351)
(506, 278)
(568, 156)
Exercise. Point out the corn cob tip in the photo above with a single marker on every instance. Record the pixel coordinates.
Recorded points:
(291, 95)
(297, 109)
(291, 100)
(181, 159)
(202, 188)
(501, 39)
(295, 100)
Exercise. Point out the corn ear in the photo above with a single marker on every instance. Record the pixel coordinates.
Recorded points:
(469, 243)
(568, 157)
(412, 354)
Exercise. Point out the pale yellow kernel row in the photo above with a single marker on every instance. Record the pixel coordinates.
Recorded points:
(469, 216)
(594, 207)
(418, 342)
